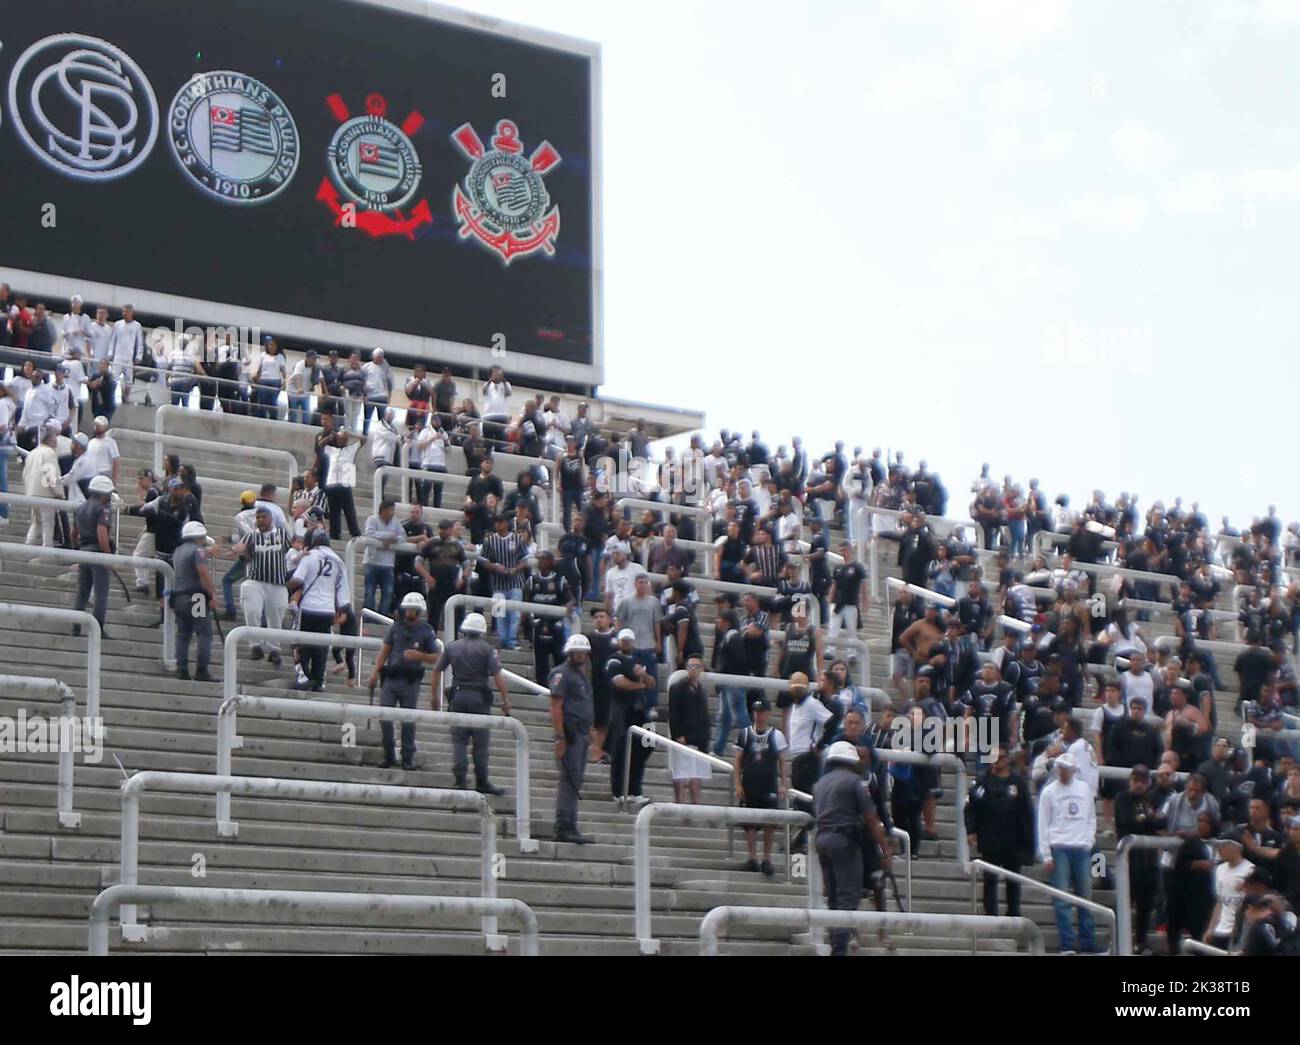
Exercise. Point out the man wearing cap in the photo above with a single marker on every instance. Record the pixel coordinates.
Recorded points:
(408, 648)
(845, 812)
(377, 383)
(1137, 813)
(1067, 831)
(760, 778)
(472, 662)
(630, 692)
(42, 478)
(572, 714)
(620, 574)
(105, 457)
(264, 595)
(643, 614)
(1229, 876)
(441, 564)
(245, 524)
(94, 534)
(193, 600)
(75, 327)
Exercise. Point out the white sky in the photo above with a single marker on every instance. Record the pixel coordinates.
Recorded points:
(1058, 237)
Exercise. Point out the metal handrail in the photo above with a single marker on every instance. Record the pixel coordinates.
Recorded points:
(449, 479)
(1103, 912)
(101, 908)
(331, 711)
(1190, 946)
(707, 815)
(207, 783)
(28, 686)
(1123, 884)
(33, 551)
(717, 920)
(649, 738)
(159, 438)
(94, 639)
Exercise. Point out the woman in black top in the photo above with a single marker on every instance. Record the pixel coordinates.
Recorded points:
(801, 648)
(731, 555)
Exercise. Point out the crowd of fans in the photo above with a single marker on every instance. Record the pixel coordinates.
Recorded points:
(1072, 684)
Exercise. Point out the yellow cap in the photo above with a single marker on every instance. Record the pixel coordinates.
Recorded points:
(247, 498)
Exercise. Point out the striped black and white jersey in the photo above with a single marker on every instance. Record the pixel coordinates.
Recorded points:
(507, 551)
(266, 554)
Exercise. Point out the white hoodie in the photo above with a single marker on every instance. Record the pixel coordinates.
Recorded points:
(1067, 816)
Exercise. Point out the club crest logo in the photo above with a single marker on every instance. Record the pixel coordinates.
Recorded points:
(234, 136)
(503, 202)
(83, 106)
(373, 165)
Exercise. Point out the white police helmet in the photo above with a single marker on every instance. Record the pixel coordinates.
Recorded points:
(194, 531)
(842, 751)
(101, 484)
(413, 601)
(578, 644)
(474, 624)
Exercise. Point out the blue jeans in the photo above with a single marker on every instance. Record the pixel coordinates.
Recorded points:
(571, 501)
(1017, 528)
(4, 479)
(1072, 870)
(508, 623)
(732, 714)
(379, 577)
(375, 406)
(266, 394)
(300, 409)
(650, 659)
(594, 580)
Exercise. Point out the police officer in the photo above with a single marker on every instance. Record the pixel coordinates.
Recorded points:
(94, 529)
(408, 647)
(547, 588)
(1000, 820)
(572, 713)
(843, 808)
(472, 662)
(193, 598)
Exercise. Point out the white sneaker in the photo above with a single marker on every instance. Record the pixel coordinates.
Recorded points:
(4, 520)
(301, 676)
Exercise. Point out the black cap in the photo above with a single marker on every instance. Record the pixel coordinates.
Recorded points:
(925, 672)
(1260, 876)
(1060, 704)
(446, 524)
(760, 704)
(1255, 901)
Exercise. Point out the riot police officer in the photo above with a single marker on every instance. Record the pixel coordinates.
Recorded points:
(472, 662)
(572, 713)
(94, 535)
(844, 809)
(408, 647)
(1000, 820)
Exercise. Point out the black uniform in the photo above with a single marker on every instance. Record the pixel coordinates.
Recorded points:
(547, 632)
(1001, 816)
(602, 649)
(842, 802)
(627, 708)
(1139, 815)
(444, 558)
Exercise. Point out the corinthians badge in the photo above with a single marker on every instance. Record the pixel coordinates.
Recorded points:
(504, 203)
(234, 136)
(373, 165)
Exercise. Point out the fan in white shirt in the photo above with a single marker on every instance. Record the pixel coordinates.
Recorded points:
(75, 328)
(102, 451)
(99, 334)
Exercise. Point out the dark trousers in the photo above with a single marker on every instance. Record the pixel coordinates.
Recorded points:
(1010, 859)
(442, 590)
(623, 714)
(433, 488)
(193, 621)
(1142, 883)
(351, 626)
(840, 853)
(342, 506)
(313, 657)
(805, 769)
(573, 769)
(470, 702)
(103, 398)
(95, 577)
(403, 693)
(548, 649)
(570, 501)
